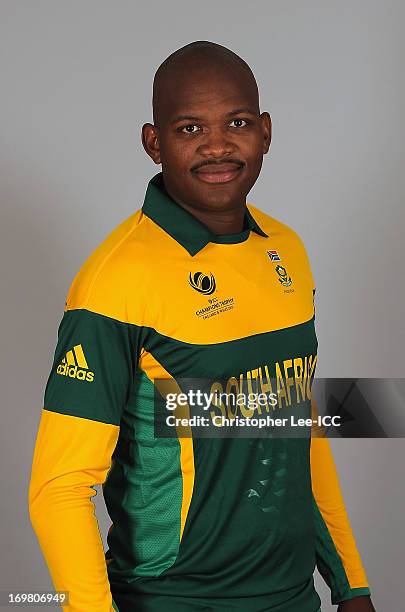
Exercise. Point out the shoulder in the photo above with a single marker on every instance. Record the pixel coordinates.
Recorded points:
(272, 226)
(284, 236)
(101, 284)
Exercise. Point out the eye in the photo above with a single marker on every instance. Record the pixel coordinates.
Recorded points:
(190, 125)
(246, 122)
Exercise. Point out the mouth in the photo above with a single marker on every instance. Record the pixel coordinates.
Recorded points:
(218, 173)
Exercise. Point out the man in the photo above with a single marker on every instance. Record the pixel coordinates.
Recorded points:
(194, 284)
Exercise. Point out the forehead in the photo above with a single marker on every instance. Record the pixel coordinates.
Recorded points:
(207, 92)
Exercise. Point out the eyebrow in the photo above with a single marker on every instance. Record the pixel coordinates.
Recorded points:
(194, 118)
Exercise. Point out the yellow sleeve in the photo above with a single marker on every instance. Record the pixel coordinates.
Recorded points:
(71, 455)
(88, 387)
(337, 557)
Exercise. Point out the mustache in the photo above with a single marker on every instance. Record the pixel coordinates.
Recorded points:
(209, 162)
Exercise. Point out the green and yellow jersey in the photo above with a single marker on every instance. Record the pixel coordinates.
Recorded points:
(198, 524)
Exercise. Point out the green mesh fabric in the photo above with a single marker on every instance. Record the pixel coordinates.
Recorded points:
(143, 492)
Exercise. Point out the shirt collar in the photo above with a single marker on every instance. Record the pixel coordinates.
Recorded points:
(182, 225)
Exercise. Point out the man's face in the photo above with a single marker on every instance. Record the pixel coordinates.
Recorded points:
(210, 139)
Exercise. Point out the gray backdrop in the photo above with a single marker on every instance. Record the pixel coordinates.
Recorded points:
(76, 86)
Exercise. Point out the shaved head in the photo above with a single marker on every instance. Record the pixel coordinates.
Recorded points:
(201, 56)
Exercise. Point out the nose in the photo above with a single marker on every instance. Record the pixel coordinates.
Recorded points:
(216, 144)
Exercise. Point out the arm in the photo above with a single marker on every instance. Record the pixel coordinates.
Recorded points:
(337, 557)
(87, 390)
(71, 455)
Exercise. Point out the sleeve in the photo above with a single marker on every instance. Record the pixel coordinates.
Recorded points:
(306, 266)
(337, 557)
(88, 387)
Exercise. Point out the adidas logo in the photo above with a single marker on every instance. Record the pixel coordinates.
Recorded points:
(74, 365)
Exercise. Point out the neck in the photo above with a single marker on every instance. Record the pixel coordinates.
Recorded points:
(219, 222)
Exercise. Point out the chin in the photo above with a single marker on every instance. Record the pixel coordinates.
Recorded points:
(219, 199)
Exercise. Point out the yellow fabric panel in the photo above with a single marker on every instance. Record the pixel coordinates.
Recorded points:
(89, 272)
(317, 431)
(328, 496)
(166, 384)
(113, 270)
(125, 279)
(276, 229)
(71, 455)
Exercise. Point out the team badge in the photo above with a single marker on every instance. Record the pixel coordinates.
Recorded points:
(284, 279)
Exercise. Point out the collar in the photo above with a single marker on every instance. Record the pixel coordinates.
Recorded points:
(182, 225)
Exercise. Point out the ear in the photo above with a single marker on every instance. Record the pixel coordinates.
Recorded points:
(266, 127)
(150, 141)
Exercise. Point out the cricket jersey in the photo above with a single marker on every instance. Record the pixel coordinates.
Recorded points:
(198, 524)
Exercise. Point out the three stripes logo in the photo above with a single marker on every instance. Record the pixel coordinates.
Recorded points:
(74, 365)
